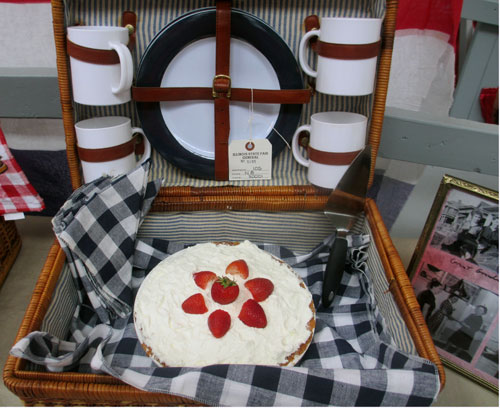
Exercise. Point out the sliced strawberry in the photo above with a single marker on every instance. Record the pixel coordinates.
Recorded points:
(195, 304)
(260, 288)
(238, 267)
(252, 314)
(203, 278)
(219, 323)
(225, 290)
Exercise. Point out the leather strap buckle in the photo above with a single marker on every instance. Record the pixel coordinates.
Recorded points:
(219, 92)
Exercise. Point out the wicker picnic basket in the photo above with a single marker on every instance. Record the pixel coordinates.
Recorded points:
(34, 386)
(10, 244)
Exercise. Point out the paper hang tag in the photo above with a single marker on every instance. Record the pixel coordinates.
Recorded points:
(250, 159)
(14, 216)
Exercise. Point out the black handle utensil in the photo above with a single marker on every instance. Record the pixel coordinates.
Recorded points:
(344, 205)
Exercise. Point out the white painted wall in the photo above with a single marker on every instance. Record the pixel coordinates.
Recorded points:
(26, 37)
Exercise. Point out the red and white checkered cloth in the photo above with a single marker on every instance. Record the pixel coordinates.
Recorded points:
(16, 193)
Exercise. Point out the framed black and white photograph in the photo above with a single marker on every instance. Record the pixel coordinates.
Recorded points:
(454, 271)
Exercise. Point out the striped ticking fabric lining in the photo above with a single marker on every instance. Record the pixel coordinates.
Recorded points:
(291, 229)
(284, 228)
(62, 306)
(61, 309)
(385, 302)
(285, 17)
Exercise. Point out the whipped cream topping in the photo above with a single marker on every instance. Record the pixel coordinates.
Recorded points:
(176, 338)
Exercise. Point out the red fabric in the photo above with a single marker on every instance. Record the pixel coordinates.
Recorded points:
(488, 100)
(16, 192)
(438, 15)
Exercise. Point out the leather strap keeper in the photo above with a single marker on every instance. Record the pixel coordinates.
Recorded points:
(347, 51)
(111, 153)
(312, 23)
(129, 20)
(280, 96)
(331, 158)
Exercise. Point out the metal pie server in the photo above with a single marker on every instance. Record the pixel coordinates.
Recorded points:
(343, 207)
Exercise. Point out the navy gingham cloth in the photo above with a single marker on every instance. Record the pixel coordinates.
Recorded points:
(96, 227)
(352, 359)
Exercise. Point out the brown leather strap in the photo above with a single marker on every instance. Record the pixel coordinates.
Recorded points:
(222, 45)
(104, 57)
(92, 55)
(111, 153)
(339, 51)
(347, 51)
(331, 158)
(312, 23)
(281, 96)
(222, 88)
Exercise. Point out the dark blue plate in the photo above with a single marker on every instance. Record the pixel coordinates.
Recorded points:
(186, 30)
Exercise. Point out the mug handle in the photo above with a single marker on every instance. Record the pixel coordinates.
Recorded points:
(295, 145)
(126, 67)
(304, 42)
(147, 146)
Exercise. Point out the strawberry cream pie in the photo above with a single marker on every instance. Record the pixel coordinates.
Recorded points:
(224, 303)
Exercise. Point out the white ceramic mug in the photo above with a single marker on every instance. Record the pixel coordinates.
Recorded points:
(104, 137)
(335, 140)
(343, 76)
(101, 84)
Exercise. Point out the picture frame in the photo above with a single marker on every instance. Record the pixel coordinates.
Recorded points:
(454, 271)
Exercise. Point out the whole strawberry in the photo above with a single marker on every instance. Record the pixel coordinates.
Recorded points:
(252, 314)
(195, 304)
(238, 267)
(219, 323)
(225, 290)
(260, 288)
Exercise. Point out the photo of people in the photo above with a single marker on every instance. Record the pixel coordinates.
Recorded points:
(468, 228)
(454, 272)
(445, 311)
(459, 316)
(460, 341)
(427, 298)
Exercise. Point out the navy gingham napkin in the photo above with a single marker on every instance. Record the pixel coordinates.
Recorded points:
(96, 228)
(352, 359)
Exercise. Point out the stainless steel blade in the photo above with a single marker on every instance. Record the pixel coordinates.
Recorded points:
(347, 200)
